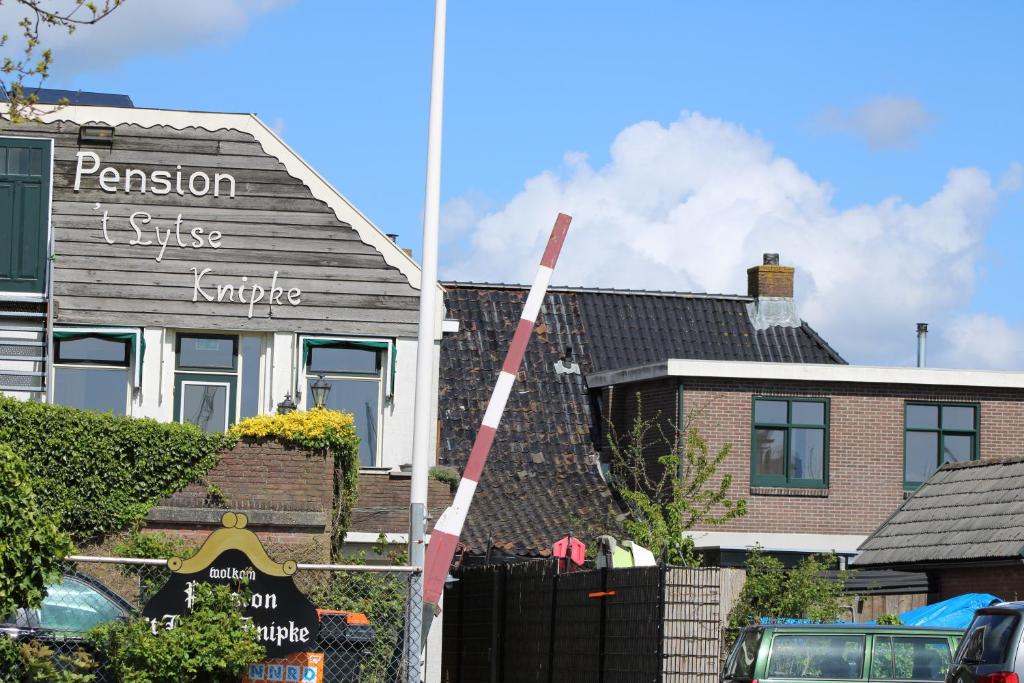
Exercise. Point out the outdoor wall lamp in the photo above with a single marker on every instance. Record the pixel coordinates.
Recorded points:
(320, 388)
(286, 406)
(96, 135)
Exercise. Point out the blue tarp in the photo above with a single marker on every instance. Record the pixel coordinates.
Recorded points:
(953, 613)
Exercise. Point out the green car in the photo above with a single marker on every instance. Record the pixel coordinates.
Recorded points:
(841, 652)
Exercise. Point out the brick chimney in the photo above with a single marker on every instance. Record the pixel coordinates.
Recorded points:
(770, 279)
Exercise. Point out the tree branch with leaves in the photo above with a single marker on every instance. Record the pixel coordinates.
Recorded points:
(667, 479)
(32, 60)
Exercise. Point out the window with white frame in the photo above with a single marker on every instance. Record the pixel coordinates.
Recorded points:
(357, 372)
(93, 371)
(218, 379)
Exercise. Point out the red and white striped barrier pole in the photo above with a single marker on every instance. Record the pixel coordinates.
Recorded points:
(445, 536)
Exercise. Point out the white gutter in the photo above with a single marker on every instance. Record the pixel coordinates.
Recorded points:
(809, 372)
(841, 544)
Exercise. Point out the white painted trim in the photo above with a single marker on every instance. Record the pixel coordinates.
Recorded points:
(809, 372)
(370, 537)
(842, 544)
(190, 382)
(272, 145)
(22, 296)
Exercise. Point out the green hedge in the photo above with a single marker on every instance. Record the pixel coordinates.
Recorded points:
(102, 472)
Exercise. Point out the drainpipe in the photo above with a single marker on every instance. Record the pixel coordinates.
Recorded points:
(922, 342)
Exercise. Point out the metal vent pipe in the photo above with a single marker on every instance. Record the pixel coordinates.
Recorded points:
(922, 343)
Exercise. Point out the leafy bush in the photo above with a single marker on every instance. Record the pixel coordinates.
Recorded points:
(446, 475)
(42, 665)
(211, 644)
(34, 662)
(102, 472)
(667, 495)
(151, 545)
(321, 431)
(381, 597)
(803, 592)
(32, 545)
(11, 661)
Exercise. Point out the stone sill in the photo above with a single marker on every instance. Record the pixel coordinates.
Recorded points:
(258, 518)
(799, 492)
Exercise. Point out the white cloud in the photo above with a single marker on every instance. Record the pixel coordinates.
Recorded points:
(139, 27)
(984, 341)
(691, 205)
(460, 214)
(882, 122)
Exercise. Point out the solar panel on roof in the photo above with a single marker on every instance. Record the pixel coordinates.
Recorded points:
(77, 97)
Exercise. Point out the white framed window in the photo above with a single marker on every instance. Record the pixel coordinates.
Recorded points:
(218, 378)
(96, 368)
(359, 372)
(205, 404)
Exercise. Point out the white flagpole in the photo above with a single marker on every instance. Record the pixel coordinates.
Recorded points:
(425, 349)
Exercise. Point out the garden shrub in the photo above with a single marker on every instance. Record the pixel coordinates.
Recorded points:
(213, 643)
(32, 545)
(773, 593)
(101, 472)
(12, 664)
(381, 597)
(322, 431)
(150, 545)
(35, 662)
(446, 475)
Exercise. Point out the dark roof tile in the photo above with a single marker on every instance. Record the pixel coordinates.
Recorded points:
(524, 502)
(964, 511)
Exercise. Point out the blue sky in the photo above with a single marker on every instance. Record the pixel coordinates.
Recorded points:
(842, 111)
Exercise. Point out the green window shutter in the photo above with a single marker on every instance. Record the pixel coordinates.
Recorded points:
(24, 219)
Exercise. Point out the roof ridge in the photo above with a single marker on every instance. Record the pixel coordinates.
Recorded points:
(598, 290)
(817, 338)
(1010, 460)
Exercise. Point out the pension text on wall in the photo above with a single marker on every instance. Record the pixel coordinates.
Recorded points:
(157, 235)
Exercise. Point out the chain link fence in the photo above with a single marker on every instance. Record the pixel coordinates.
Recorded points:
(363, 611)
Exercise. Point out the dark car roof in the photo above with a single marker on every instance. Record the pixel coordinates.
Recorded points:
(1002, 608)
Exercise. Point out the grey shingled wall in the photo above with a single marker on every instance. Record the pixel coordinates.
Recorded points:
(272, 223)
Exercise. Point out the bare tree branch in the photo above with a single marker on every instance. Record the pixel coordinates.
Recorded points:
(33, 62)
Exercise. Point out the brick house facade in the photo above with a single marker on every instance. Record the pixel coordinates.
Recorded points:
(864, 469)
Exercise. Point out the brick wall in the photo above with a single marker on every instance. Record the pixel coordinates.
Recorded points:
(776, 281)
(383, 504)
(1005, 581)
(287, 493)
(268, 475)
(865, 450)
